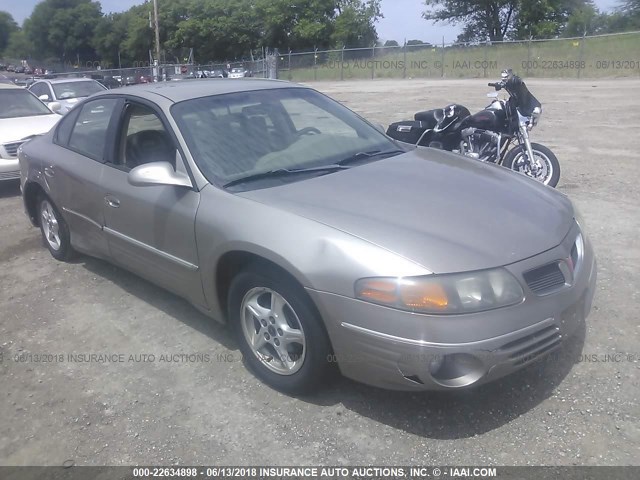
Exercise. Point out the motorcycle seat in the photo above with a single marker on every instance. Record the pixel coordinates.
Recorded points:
(429, 117)
(432, 118)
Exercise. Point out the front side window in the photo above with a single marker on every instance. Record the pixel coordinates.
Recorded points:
(16, 102)
(143, 139)
(89, 135)
(241, 135)
(67, 90)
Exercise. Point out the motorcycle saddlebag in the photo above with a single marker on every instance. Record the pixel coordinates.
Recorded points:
(407, 131)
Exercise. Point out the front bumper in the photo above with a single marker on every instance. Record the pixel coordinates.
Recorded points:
(399, 350)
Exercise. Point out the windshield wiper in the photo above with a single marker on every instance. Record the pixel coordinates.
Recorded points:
(356, 157)
(285, 172)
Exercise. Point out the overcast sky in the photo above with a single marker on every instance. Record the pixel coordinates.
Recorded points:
(402, 18)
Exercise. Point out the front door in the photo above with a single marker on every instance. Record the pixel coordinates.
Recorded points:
(151, 229)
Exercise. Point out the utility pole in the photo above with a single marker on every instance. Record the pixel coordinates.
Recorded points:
(155, 22)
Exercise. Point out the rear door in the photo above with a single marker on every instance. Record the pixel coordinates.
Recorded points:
(74, 170)
(151, 229)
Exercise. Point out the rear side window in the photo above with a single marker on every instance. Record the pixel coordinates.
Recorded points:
(89, 135)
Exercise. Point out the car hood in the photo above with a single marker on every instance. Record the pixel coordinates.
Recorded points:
(440, 210)
(16, 129)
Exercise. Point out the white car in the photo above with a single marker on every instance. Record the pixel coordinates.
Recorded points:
(67, 91)
(22, 116)
(237, 73)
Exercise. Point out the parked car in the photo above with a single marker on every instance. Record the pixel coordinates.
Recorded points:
(22, 116)
(237, 73)
(219, 73)
(319, 239)
(3, 67)
(107, 81)
(67, 92)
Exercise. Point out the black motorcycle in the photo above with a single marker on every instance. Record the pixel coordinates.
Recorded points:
(488, 134)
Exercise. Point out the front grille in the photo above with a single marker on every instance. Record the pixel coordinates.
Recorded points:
(12, 148)
(9, 175)
(527, 349)
(545, 279)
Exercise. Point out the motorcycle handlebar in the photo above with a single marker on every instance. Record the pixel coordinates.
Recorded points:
(496, 85)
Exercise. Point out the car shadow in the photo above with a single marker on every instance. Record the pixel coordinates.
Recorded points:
(167, 302)
(463, 413)
(438, 415)
(9, 188)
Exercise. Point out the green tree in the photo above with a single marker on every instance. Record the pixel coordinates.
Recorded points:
(355, 23)
(300, 25)
(391, 43)
(630, 11)
(63, 28)
(482, 19)
(497, 20)
(7, 27)
(19, 47)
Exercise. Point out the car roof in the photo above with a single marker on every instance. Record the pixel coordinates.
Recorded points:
(66, 80)
(197, 88)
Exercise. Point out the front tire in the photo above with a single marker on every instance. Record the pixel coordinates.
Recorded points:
(549, 174)
(280, 334)
(54, 229)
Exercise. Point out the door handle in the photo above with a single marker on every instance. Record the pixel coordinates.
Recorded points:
(48, 171)
(112, 201)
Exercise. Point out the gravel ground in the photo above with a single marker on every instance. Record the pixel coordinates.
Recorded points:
(577, 407)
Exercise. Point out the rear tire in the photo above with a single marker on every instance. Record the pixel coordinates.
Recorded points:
(550, 175)
(279, 332)
(54, 229)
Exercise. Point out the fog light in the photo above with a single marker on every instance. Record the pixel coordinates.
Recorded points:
(456, 370)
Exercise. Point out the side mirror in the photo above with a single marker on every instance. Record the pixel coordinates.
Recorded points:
(44, 98)
(157, 173)
(55, 106)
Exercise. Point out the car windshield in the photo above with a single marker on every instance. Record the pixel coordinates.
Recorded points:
(20, 103)
(243, 135)
(68, 90)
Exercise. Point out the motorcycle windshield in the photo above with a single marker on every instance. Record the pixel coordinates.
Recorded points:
(524, 99)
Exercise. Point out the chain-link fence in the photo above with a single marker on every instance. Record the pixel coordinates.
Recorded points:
(616, 55)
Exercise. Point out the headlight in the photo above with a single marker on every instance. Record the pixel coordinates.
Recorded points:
(577, 215)
(535, 116)
(455, 293)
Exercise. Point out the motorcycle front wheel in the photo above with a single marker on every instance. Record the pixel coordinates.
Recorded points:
(549, 171)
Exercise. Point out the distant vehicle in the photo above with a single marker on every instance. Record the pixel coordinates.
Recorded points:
(237, 73)
(28, 71)
(22, 116)
(3, 67)
(11, 68)
(110, 82)
(67, 91)
(219, 73)
(20, 69)
(137, 78)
